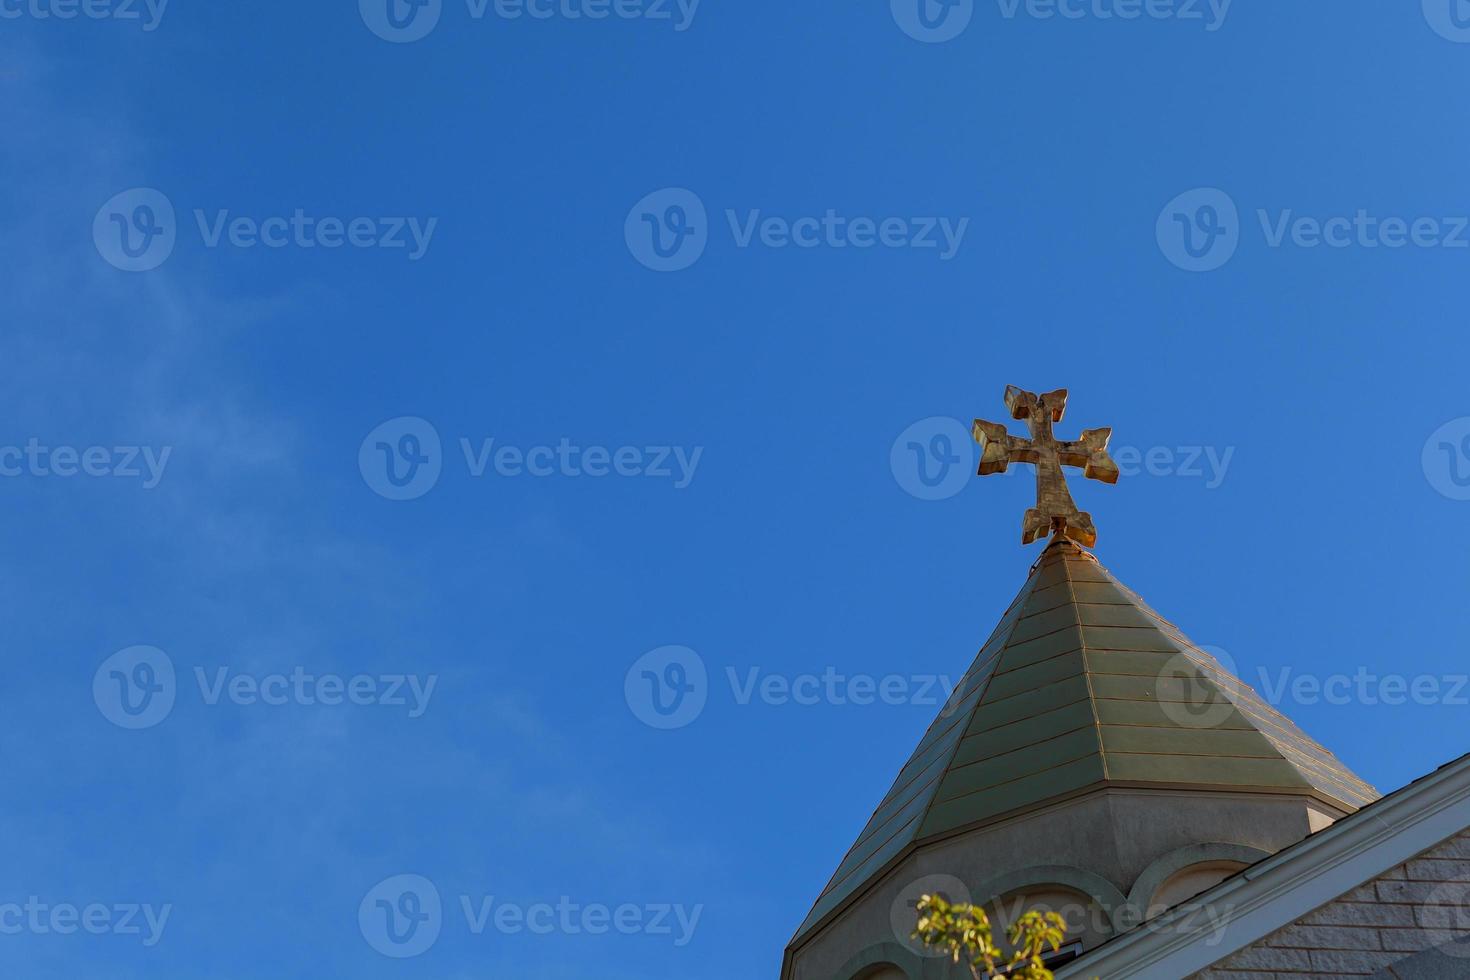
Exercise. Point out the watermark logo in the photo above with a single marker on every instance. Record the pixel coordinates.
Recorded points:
(903, 914)
(401, 21)
(1207, 463)
(1444, 914)
(401, 459)
(1210, 13)
(1449, 18)
(135, 688)
(307, 231)
(667, 688)
(408, 691)
(136, 231)
(401, 916)
(1189, 696)
(836, 231)
(933, 458)
(123, 462)
(1365, 688)
(1446, 459)
(1193, 698)
(832, 687)
(1362, 230)
(667, 230)
(1199, 230)
(40, 918)
(148, 12)
(569, 918)
(933, 21)
(674, 463)
(404, 21)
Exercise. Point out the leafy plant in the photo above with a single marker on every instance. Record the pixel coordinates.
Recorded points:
(963, 933)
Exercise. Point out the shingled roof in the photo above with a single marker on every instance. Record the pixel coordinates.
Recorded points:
(1082, 686)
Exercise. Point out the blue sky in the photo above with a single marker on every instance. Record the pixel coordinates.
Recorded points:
(758, 516)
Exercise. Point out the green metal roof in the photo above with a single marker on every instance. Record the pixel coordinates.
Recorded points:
(1082, 685)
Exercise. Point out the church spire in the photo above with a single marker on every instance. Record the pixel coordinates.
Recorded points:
(1092, 755)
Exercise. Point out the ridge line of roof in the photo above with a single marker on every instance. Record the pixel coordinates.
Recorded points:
(1102, 752)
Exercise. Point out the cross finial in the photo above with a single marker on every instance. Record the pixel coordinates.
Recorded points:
(1055, 511)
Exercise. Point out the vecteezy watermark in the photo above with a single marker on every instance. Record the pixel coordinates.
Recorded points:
(137, 230)
(669, 687)
(402, 458)
(405, 21)
(934, 458)
(1365, 687)
(1200, 230)
(148, 13)
(668, 230)
(39, 918)
(403, 916)
(903, 914)
(1443, 910)
(301, 688)
(1207, 463)
(932, 21)
(936, 21)
(1210, 14)
(1446, 459)
(1203, 691)
(121, 462)
(1190, 688)
(1449, 18)
(137, 687)
(1363, 230)
(674, 463)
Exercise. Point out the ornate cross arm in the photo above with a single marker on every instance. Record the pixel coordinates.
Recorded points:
(998, 448)
(1090, 454)
(1055, 511)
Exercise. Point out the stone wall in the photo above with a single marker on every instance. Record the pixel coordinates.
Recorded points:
(1401, 925)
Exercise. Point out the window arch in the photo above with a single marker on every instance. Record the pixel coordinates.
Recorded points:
(1181, 874)
(883, 961)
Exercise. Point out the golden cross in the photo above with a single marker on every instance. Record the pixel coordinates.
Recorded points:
(1055, 511)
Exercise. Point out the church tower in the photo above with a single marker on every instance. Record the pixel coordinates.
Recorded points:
(1092, 761)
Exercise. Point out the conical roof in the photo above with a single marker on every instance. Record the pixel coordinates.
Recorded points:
(1082, 686)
